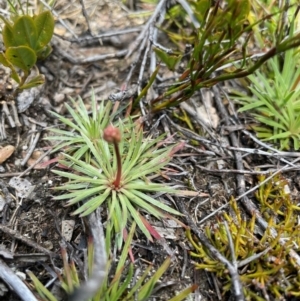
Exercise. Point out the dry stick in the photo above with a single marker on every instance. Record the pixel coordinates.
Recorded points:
(12, 280)
(15, 113)
(133, 65)
(61, 21)
(231, 246)
(191, 135)
(153, 36)
(106, 34)
(92, 285)
(86, 16)
(244, 172)
(2, 127)
(159, 8)
(185, 5)
(27, 241)
(8, 115)
(72, 58)
(37, 161)
(31, 148)
(247, 203)
(236, 284)
(142, 69)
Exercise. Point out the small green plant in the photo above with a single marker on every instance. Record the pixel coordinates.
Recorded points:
(276, 101)
(266, 269)
(119, 287)
(26, 39)
(118, 172)
(220, 45)
(91, 124)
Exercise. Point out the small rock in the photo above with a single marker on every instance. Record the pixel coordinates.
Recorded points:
(6, 152)
(67, 227)
(22, 186)
(59, 97)
(27, 97)
(34, 157)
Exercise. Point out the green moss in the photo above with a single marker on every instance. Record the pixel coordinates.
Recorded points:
(265, 266)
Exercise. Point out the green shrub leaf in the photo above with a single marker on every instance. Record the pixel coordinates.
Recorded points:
(44, 24)
(22, 57)
(25, 32)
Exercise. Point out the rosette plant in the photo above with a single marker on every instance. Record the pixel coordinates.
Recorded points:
(117, 173)
(275, 100)
(82, 122)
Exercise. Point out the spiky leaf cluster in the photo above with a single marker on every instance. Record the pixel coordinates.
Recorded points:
(93, 168)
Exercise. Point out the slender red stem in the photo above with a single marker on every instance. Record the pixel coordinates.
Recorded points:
(119, 166)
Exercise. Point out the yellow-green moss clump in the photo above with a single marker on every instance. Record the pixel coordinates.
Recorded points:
(265, 266)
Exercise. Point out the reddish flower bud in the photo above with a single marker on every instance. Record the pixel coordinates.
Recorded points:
(112, 134)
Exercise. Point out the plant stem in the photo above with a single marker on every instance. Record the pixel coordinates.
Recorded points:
(119, 165)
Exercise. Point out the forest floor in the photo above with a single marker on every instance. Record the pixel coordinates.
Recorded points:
(33, 225)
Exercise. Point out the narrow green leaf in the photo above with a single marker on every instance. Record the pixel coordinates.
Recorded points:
(182, 295)
(147, 288)
(92, 204)
(34, 82)
(41, 289)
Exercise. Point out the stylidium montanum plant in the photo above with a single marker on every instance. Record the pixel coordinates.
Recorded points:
(90, 124)
(275, 103)
(118, 175)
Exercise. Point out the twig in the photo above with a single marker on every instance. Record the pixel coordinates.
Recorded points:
(12, 280)
(190, 12)
(31, 148)
(8, 115)
(15, 113)
(142, 69)
(107, 34)
(85, 16)
(2, 127)
(37, 161)
(243, 172)
(235, 279)
(92, 59)
(231, 246)
(25, 240)
(92, 285)
(159, 7)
